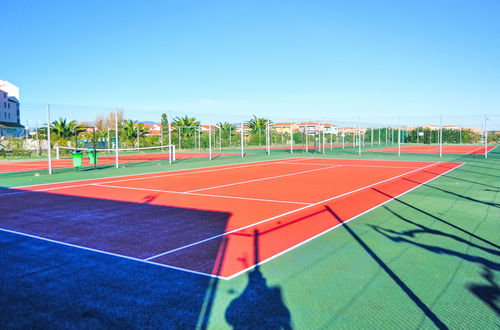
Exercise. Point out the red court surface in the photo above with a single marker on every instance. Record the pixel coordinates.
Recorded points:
(39, 165)
(219, 221)
(301, 147)
(434, 149)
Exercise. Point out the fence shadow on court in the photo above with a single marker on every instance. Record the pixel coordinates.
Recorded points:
(259, 306)
(404, 287)
(454, 193)
(489, 292)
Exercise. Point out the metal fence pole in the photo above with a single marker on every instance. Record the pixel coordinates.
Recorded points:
(485, 137)
(209, 137)
(440, 137)
(116, 139)
(399, 136)
(241, 134)
(169, 121)
(48, 139)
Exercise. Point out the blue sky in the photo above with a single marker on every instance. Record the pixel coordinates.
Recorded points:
(320, 59)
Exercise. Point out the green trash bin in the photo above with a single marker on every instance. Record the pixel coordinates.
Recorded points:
(77, 158)
(92, 154)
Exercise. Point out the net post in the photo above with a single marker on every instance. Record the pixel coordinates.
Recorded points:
(291, 138)
(169, 120)
(171, 153)
(57, 152)
(48, 139)
(116, 139)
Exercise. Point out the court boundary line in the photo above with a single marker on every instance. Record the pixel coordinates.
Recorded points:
(203, 195)
(169, 173)
(290, 158)
(334, 227)
(108, 253)
(389, 149)
(266, 178)
(353, 165)
(284, 214)
(481, 147)
(148, 173)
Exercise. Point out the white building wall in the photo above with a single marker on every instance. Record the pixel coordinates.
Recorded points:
(9, 108)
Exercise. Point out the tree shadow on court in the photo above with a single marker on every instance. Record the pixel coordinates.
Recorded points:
(46, 284)
(477, 173)
(454, 193)
(388, 271)
(398, 200)
(259, 306)
(424, 230)
(469, 181)
(488, 293)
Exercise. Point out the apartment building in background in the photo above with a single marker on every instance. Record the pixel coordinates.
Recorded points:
(10, 117)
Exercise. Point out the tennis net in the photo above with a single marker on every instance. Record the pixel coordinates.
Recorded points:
(123, 155)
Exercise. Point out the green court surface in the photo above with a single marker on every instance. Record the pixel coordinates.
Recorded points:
(427, 259)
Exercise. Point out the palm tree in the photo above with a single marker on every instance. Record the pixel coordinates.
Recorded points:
(64, 130)
(131, 130)
(257, 126)
(226, 129)
(187, 124)
(185, 128)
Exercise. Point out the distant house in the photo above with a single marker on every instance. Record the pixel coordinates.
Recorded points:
(451, 127)
(312, 127)
(431, 127)
(283, 128)
(153, 130)
(10, 118)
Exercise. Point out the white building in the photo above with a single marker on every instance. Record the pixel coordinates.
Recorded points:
(10, 119)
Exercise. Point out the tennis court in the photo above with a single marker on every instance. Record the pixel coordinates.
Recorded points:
(434, 149)
(205, 220)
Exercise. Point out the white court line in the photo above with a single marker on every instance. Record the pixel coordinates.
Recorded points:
(14, 163)
(334, 227)
(286, 213)
(204, 195)
(109, 253)
(263, 179)
(258, 162)
(170, 173)
(344, 165)
(481, 147)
